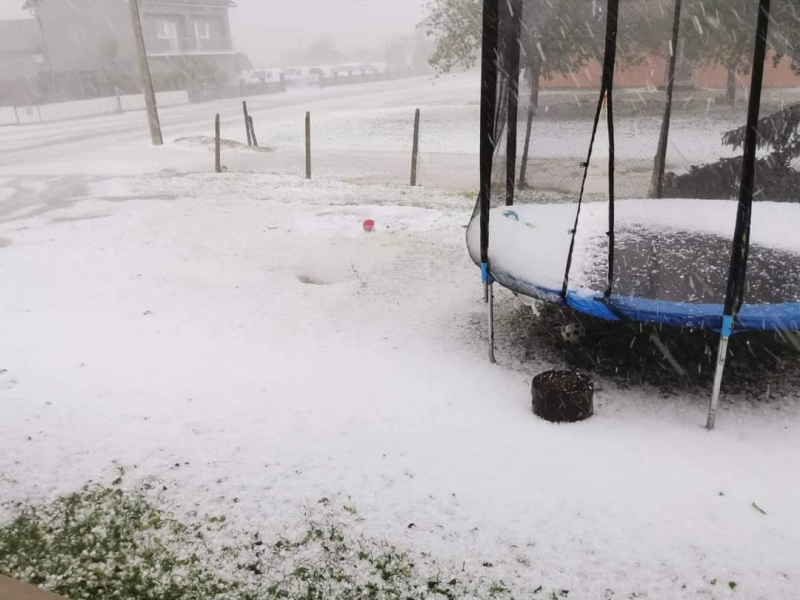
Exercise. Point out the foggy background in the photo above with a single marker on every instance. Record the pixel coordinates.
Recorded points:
(266, 30)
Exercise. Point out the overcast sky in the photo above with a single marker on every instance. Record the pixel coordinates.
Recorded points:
(265, 29)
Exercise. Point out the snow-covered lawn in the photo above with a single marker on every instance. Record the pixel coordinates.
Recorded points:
(246, 329)
(363, 133)
(241, 338)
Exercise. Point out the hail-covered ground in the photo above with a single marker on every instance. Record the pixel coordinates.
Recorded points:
(242, 339)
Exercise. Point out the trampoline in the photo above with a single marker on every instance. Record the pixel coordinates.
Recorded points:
(723, 265)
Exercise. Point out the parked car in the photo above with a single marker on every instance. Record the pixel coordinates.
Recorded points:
(262, 75)
(316, 74)
(355, 70)
(343, 70)
(297, 75)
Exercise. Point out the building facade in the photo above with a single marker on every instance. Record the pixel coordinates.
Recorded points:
(21, 59)
(90, 49)
(651, 73)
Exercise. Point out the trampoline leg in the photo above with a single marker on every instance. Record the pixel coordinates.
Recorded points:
(489, 295)
(722, 357)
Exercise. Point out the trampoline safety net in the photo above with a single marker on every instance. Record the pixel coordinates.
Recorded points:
(681, 214)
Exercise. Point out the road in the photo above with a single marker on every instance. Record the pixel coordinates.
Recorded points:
(79, 139)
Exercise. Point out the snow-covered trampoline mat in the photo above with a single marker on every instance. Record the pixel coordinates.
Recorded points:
(687, 267)
(671, 259)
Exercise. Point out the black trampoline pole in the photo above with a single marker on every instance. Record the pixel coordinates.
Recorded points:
(609, 64)
(491, 26)
(513, 58)
(737, 274)
(660, 166)
(606, 95)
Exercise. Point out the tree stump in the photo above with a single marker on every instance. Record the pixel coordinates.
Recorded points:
(562, 396)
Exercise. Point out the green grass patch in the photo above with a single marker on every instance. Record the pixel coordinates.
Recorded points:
(107, 542)
(103, 542)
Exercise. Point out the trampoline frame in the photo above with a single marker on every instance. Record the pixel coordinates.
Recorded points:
(724, 318)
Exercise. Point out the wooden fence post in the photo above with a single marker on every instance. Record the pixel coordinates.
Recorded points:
(247, 123)
(308, 145)
(217, 151)
(253, 131)
(415, 150)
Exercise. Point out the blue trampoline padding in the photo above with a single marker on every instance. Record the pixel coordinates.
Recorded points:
(752, 317)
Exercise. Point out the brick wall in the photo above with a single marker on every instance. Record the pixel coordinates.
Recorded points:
(651, 73)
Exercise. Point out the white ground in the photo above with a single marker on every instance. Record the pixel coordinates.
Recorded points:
(156, 315)
(364, 134)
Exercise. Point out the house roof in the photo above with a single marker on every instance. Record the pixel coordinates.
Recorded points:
(20, 36)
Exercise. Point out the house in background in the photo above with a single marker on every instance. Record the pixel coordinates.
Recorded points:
(189, 42)
(91, 49)
(21, 58)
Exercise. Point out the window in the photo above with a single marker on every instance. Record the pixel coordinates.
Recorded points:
(202, 30)
(166, 29)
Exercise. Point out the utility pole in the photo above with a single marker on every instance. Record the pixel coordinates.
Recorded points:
(147, 82)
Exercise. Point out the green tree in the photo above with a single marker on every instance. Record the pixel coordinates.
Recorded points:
(778, 132)
(456, 27)
(722, 33)
(786, 41)
(559, 37)
(717, 32)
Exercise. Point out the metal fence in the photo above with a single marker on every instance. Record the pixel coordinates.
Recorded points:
(235, 91)
(344, 78)
(23, 115)
(136, 101)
